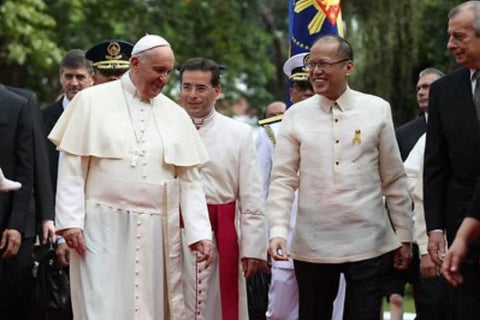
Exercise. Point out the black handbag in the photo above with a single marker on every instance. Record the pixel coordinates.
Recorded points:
(52, 290)
(257, 293)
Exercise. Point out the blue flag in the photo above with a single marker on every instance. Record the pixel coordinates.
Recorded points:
(311, 18)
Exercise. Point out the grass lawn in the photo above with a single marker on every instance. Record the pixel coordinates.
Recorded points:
(408, 303)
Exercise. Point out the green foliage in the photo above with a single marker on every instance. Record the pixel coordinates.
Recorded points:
(36, 33)
(26, 32)
(393, 40)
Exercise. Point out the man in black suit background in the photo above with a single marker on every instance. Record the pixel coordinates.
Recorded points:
(409, 133)
(452, 154)
(16, 161)
(429, 290)
(41, 212)
(76, 74)
(42, 204)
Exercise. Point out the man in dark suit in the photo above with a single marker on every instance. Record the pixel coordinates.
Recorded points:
(42, 188)
(429, 290)
(452, 154)
(41, 212)
(76, 74)
(16, 161)
(409, 133)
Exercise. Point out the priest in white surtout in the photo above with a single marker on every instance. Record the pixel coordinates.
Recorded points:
(129, 160)
(232, 185)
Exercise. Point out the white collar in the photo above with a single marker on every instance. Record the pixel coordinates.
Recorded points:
(65, 102)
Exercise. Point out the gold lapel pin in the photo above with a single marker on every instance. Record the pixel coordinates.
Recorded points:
(356, 137)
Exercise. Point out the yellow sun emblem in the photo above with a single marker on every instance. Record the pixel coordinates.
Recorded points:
(327, 9)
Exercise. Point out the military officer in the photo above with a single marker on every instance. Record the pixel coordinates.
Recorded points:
(110, 59)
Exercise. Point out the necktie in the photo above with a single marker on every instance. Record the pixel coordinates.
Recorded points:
(476, 93)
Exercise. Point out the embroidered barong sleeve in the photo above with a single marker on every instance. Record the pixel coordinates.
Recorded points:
(193, 205)
(284, 180)
(252, 208)
(70, 197)
(394, 181)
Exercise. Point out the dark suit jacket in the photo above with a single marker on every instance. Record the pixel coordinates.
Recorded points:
(42, 205)
(50, 116)
(452, 153)
(408, 135)
(16, 159)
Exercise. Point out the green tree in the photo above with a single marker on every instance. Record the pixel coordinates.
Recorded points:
(27, 50)
(393, 40)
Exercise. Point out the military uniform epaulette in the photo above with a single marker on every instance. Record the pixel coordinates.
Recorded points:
(270, 120)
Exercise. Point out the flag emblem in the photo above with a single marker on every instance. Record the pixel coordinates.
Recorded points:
(326, 9)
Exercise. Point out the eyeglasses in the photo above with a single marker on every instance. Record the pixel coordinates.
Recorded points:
(322, 65)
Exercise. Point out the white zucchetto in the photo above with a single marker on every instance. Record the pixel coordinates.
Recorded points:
(149, 41)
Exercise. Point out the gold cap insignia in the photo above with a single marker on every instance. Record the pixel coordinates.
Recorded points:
(305, 61)
(113, 50)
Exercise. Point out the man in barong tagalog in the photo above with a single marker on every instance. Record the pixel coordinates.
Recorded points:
(129, 161)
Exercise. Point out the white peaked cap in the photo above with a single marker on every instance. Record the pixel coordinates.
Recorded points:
(294, 62)
(149, 41)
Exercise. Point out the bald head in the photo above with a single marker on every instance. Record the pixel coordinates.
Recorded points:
(275, 108)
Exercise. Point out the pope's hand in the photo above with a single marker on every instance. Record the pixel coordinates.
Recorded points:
(74, 239)
(63, 254)
(278, 249)
(204, 249)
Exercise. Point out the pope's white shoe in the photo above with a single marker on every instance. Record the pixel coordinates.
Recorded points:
(7, 184)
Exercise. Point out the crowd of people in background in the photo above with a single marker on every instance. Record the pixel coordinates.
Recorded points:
(163, 210)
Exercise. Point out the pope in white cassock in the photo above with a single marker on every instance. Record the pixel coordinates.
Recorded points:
(129, 161)
(232, 185)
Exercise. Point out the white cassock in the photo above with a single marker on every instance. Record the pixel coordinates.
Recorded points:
(124, 189)
(283, 293)
(232, 184)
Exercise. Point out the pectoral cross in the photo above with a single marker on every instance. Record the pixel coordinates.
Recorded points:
(135, 155)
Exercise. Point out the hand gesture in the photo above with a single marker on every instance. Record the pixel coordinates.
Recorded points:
(436, 247)
(453, 260)
(48, 230)
(402, 257)
(204, 249)
(278, 249)
(63, 254)
(250, 266)
(428, 269)
(74, 239)
(11, 240)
